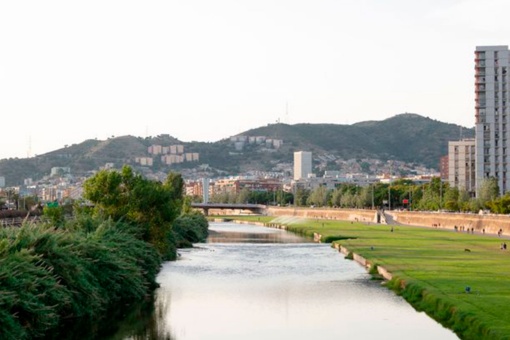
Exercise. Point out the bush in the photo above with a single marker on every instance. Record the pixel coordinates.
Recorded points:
(189, 229)
(49, 275)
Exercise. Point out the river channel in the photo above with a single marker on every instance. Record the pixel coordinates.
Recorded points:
(251, 282)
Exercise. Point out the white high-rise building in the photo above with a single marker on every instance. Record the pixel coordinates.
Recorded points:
(461, 165)
(492, 114)
(205, 190)
(302, 164)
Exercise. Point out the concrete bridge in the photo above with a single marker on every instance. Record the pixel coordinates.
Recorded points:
(253, 208)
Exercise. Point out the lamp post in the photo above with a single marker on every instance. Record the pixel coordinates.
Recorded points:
(372, 196)
(411, 198)
(389, 195)
(389, 190)
(440, 193)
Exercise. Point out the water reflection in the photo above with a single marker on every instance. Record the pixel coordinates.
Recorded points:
(232, 233)
(274, 290)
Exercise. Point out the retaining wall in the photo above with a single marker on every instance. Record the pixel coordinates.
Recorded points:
(490, 222)
(360, 215)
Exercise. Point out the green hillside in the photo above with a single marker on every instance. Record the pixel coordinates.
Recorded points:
(406, 137)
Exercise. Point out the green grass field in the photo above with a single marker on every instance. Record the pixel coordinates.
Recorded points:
(431, 268)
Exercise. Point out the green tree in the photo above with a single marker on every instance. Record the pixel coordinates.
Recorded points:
(149, 205)
(365, 197)
(301, 196)
(451, 199)
(336, 197)
(488, 191)
(174, 183)
(464, 200)
(55, 215)
(243, 196)
(318, 197)
(500, 205)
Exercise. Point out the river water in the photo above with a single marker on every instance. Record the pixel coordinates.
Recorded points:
(251, 282)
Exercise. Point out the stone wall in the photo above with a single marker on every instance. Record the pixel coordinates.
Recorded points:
(360, 215)
(490, 222)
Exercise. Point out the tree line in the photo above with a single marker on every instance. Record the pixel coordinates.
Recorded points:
(399, 194)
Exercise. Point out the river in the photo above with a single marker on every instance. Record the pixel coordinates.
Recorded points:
(251, 282)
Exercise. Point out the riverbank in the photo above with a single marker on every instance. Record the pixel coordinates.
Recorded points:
(480, 223)
(459, 279)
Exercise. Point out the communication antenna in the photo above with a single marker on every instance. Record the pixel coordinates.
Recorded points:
(287, 112)
(29, 151)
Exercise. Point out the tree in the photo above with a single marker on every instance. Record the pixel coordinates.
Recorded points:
(365, 197)
(464, 200)
(451, 199)
(500, 205)
(149, 205)
(488, 191)
(243, 196)
(301, 196)
(318, 197)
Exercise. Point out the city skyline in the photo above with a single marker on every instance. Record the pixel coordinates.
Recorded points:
(203, 71)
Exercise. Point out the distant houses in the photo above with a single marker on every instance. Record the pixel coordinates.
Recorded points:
(168, 155)
(241, 141)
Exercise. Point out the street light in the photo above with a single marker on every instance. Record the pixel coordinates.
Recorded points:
(389, 189)
(372, 196)
(389, 195)
(440, 193)
(411, 198)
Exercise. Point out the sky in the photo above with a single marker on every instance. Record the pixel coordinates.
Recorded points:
(203, 70)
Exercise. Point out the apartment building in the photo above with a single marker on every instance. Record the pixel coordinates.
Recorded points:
(444, 167)
(302, 164)
(492, 115)
(461, 165)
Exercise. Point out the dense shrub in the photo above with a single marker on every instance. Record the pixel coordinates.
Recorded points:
(48, 275)
(190, 228)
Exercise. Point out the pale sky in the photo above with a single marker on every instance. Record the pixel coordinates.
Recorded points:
(204, 70)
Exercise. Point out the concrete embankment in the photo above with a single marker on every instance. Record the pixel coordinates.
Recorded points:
(359, 215)
(490, 222)
(364, 262)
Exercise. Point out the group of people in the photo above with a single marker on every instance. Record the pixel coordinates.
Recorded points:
(468, 230)
(503, 246)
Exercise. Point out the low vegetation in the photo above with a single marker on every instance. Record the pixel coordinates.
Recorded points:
(107, 255)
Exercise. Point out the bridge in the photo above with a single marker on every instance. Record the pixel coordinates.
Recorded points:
(254, 208)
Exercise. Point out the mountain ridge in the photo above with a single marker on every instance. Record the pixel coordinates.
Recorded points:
(406, 137)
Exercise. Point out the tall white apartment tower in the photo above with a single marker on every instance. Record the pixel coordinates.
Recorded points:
(302, 164)
(492, 115)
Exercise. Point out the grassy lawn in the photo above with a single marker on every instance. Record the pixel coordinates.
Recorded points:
(431, 269)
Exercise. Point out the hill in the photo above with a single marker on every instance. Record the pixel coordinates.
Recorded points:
(405, 137)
